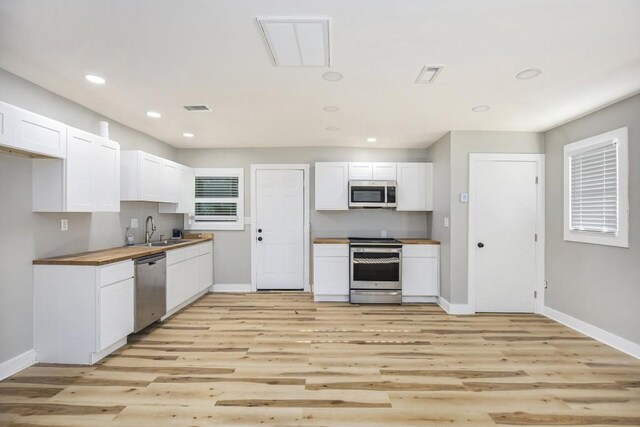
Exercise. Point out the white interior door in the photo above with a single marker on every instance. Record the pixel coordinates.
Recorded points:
(280, 229)
(503, 222)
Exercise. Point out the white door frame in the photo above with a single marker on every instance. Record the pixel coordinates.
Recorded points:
(474, 159)
(304, 167)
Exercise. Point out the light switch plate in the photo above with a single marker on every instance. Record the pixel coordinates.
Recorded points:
(464, 197)
(446, 222)
(383, 233)
(134, 223)
(64, 224)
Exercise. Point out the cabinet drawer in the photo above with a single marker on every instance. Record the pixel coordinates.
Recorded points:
(205, 248)
(335, 250)
(178, 255)
(116, 309)
(420, 251)
(115, 273)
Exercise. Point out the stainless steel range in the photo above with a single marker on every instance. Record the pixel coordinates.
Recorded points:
(375, 271)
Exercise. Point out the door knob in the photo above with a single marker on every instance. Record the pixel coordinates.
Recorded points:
(259, 239)
(259, 230)
(480, 245)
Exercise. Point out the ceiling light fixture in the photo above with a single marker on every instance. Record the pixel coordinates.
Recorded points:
(371, 139)
(297, 41)
(480, 108)
(95, 79)
(188, 135)
(154, 114)
(332, 128)
(331, 109)
(332, 76)
(531, 73)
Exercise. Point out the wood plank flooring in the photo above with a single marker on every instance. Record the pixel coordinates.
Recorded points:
(280, 359)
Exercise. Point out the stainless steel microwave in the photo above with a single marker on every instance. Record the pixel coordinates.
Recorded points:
(372, 194)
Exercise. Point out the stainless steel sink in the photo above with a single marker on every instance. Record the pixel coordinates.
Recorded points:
(163, 243)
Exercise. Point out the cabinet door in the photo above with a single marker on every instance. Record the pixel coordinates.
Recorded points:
(411, 191)
(331, 275)
(384, 171)
(149, 177)
(7, 122)
(80, 166)
(169, 181)
(182, 282)
(107, 176)
(332, 186)
(187, 190)
(116, 307)
(360, 171)
(205, 271)
(37, 134)
(419, 277)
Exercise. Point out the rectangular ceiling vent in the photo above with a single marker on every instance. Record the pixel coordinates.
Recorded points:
(197, 108)
(428, 73)
(298, 41)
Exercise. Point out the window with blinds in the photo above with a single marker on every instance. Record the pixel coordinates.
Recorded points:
(596, 184)
(594, 189)
(219, 199)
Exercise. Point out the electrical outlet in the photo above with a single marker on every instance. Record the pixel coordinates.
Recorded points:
(446, 222)
(64, 224)
(464, 197)
(383, 233)
(134, 223)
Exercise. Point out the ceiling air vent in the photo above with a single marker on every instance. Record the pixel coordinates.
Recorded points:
(428, 73)
(298, 41)
(197, 108)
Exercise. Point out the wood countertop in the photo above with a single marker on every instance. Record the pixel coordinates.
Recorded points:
(109, 256)
(345, 241)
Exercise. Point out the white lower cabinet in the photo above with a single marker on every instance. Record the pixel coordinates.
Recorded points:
(189, 273)
(82, 313)
(420, 272)
(331, 272)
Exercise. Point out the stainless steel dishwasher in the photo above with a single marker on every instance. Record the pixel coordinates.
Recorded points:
(151, 289)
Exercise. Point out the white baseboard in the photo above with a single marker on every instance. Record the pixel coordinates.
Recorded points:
(612, 340)
(17, 364)
(330, 298)
(408, 299)
(455, 308)
(233, 287)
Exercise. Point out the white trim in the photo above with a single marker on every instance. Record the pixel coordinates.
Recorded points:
(17, 364)
(307, 225)
(474, 158)
(612, 340)
(409, 300)
(455, 308)
(621, 239)
(230, 287)
(330, 298)
(95, 357)
(189, 222)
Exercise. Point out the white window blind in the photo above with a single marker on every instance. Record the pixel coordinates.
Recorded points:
(594, 189)
(216, 199)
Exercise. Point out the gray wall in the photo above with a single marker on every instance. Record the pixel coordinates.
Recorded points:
(27, 235)
(232, 261)
(596, 284)
(462, 143)
(440, 156)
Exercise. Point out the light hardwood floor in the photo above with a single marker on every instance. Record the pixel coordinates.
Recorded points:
(280, 359)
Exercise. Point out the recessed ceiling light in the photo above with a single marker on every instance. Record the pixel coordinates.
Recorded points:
(331, 109)
(371, 139)
(529, 74)
(480, 108)
(188, 135)
(95, 79)
(154, 114)
(332, 76)
(332, 128)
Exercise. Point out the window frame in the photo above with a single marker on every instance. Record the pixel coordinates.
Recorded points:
(189, 220)
(621, 238)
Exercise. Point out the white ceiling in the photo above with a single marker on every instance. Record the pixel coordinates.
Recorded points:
(162, 54)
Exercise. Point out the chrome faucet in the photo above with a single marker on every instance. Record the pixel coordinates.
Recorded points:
(147, 235)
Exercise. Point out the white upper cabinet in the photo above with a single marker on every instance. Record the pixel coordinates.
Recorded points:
(384, 171)
(361, 171)
(332, 186)
(415, 187)
(32, 133)
(186, 193)
(87, 180)
(169, 181)
(143, 175)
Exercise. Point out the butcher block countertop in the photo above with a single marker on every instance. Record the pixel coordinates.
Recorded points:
(109, 256)
(345, 241)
